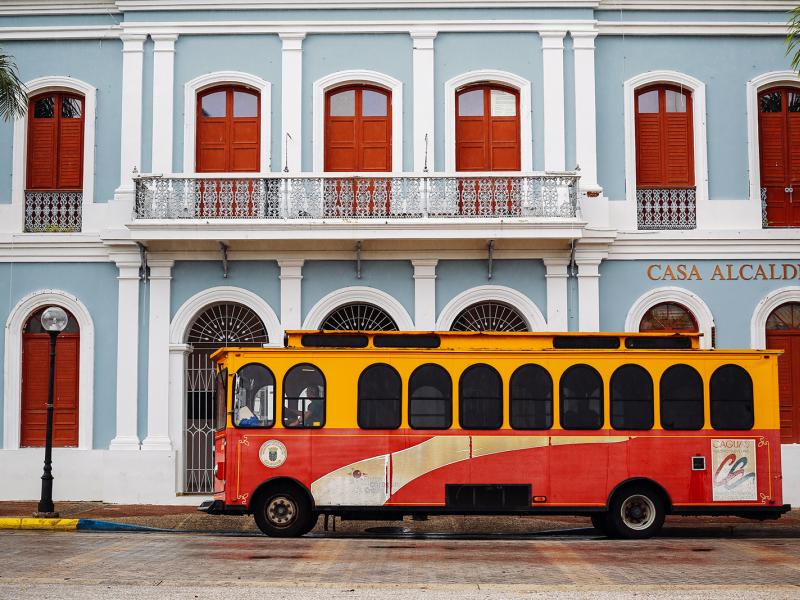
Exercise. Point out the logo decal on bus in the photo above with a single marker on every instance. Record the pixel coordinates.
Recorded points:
(272, 454)
(733, 468)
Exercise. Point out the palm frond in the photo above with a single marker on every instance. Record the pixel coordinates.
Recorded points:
(13, 96)
(793, 37)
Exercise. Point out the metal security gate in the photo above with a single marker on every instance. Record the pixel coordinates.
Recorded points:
(218, 326)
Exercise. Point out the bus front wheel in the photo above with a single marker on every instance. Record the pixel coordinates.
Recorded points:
(283, 511)
(636, 512)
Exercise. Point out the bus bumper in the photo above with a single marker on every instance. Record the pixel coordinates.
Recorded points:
(217, 507)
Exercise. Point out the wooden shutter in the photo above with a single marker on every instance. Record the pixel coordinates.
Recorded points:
(226, 143)
(42, 149)
(679, 147)
(245, 136)
(487, 142)
(70, 149)
(358, 142)
(788, 383)
(55, 146)
(375, 135)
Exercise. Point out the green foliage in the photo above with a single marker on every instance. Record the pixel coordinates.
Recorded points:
(793, 38)
(13, 96)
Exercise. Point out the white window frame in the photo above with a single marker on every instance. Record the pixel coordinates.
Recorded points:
(12, 374)
(53, 83)
(699, 309)
(209, 80)
(357, 293)
(698, 90)
(492, 293)
(357, 76)
(488, 76)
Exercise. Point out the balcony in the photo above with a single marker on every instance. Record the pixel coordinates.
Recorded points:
(53, 211)
(666, 208)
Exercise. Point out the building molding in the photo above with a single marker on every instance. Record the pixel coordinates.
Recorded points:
(699, 309)
(332, 80)
(194, 86)
(754, 86)
(498, 293)
(12, 371)
(521, 84)
(358, 293)
(53, 83)
(692, 28)
(698, 89)
(773, 300)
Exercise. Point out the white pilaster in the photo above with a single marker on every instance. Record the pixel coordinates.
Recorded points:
(585, 111)
(131, 120)
(177, 402)
(291, 293)
(127, 352)
(425, 294)
(588, 293)
(158, 357)
(553, 82)
(163, 82)
(557, 308)
(292, 101)
(423, 113)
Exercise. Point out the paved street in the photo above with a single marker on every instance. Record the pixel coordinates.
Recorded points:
(580, 564)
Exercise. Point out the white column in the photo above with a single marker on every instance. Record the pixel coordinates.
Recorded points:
(177, 402)
(553, 75)
(131, 119)
(423, 113)
(291, 294)
(158, 357)
(127, 353)
(425, 294)
(292, 101)
(585, 111)
(588, 294)
(163, 83)
(557, 307)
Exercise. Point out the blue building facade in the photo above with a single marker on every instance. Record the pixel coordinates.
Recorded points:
(194, 173)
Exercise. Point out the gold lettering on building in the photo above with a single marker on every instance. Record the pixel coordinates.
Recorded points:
(724, 272)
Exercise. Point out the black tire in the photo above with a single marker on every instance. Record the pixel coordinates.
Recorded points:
(636, 512)
(284, 511)
(600, 522)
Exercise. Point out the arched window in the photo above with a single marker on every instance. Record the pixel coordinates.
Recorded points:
(228, 130)
(480, 398)
(581, 398)
(254, 397)
(359, 316)
(430, 398)
(681, 391)
(55, 142)
(35, 375)
(380, 392)
(487, 128)
(783, 333)
(631, 398)
(731, 390)
(668, 316)
(304, 397)
(358, 129)
(489, 316)
(531, 398)
(779, 128)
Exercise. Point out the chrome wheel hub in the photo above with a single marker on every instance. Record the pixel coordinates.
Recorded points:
(638, 512)
(281, 511)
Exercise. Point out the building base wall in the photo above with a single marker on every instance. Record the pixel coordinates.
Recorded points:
(790, 467)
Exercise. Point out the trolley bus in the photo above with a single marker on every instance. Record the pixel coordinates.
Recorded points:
(623, 428)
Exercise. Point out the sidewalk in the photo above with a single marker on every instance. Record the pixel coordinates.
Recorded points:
(187, 518)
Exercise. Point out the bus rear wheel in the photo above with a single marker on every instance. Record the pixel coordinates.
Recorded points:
(636, 513)
(283, 511)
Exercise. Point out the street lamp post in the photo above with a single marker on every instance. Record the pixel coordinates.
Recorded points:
(54, 320)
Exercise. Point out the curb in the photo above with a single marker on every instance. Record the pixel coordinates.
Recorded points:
(69, 525)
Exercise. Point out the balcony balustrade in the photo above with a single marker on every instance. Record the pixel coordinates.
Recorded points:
(668, 208)
(357, 196)
(55, 211)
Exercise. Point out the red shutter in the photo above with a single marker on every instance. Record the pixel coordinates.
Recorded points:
(486, 142)
(678, 148)
(788, 383)
(375, 137)
(55, 147)
(41, 152)
(648, 150)
(228, 144)
(358, 142)
(70, 152)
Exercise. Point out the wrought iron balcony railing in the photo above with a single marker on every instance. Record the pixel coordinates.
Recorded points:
(666, 208)
(53, 211)
(357, 196)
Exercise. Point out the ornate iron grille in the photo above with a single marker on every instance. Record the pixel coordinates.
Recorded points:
(359, 316)
(764, 217)
(673, 208)
(53, 212)
(668, 316)
(489, 316)
(219, 325)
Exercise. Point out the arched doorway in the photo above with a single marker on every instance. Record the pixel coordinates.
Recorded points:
(218, 325)
(490, 316)
(35, 377)
(359, 316)
(783, 333)
(668, 316)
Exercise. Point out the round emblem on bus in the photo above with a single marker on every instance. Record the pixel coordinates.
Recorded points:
(272, 454)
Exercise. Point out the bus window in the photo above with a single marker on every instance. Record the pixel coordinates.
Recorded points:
(581, 397)
(254, 397)
(379, 398)
(222, 399)
(531, 398)
(430, 398)
(631, 398)
(731, 398)
(480, 398)
(304, 397)
(681, 398)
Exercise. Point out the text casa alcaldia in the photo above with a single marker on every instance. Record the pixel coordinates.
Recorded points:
(727, 272)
